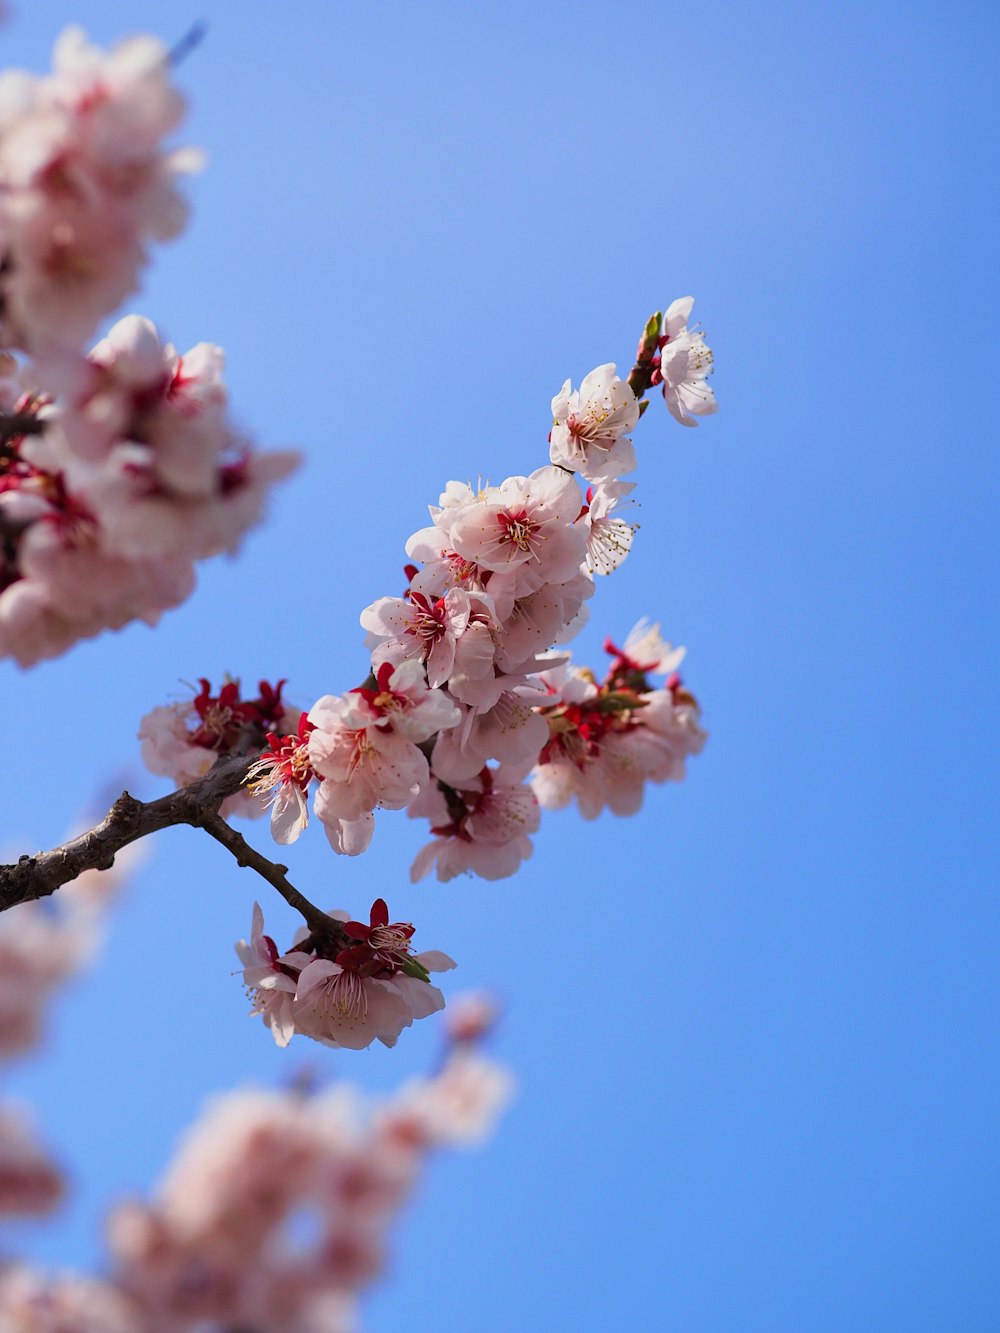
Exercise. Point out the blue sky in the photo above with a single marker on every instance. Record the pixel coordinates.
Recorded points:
(754, 1027)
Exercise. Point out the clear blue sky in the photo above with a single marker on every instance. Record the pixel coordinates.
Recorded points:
(776, 1107)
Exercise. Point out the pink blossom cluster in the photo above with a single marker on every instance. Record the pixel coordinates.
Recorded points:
(117, 488)
(85, 184)
(119, 468)
(183, 740)
(345, 986)
(33, 1302)
(464, 689)
(275, 1213)
(607, 740)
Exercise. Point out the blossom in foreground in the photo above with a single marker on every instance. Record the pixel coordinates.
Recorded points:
(590, 426)
(39, 951)
(144, 437)
(85, 185)
(282, 775)
(32, 1302)
(117, 488)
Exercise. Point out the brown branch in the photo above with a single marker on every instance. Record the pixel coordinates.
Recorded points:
(15, 424)
(127, 821)
(322, 925)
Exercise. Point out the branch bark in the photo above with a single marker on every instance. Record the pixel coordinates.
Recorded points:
(15, 424)
(321, 924)
(128, 820)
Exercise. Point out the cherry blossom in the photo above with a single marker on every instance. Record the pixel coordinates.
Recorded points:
(402, 698)
(422, 628)
(363, 762)
(525, 526)
(85, 184)
(183, 740)
(609, 540)
(270, 980)
(150, 451)
(120, 468)
(357, 983)
(283, 774)
(461, 1105)
(214, 1247)
(607, 741)
(99, 530)
(31, 1302)
(646, 650)
(685, 364)
(590, 426)
(482, 827)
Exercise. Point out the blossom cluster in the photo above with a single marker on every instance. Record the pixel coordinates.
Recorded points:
(607, 740)
(86, 183)
(472, 716)
(275, 1213)
(345, 986)
(119, 467)
(461, 700)
(183, 740)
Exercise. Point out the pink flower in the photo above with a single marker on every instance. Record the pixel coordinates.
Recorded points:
(421, 628)
(151, 450)
(269, 979)
(460, 1105)
(471, 1017)
(685, 365)
(401, 698)
(35, 1303)
(285, 771)
(609, 540)
(482, 827)
(606, 742)
(342, 1007)
(86, 184)
(363, 763)
(525, 527)
(590, 427)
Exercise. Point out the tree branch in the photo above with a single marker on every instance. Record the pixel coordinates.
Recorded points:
(15, 424)
(321, 924)
(128, 820)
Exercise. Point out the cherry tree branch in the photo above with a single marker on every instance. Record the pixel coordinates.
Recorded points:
(128, 820)
(15, 424)
(247, 856)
